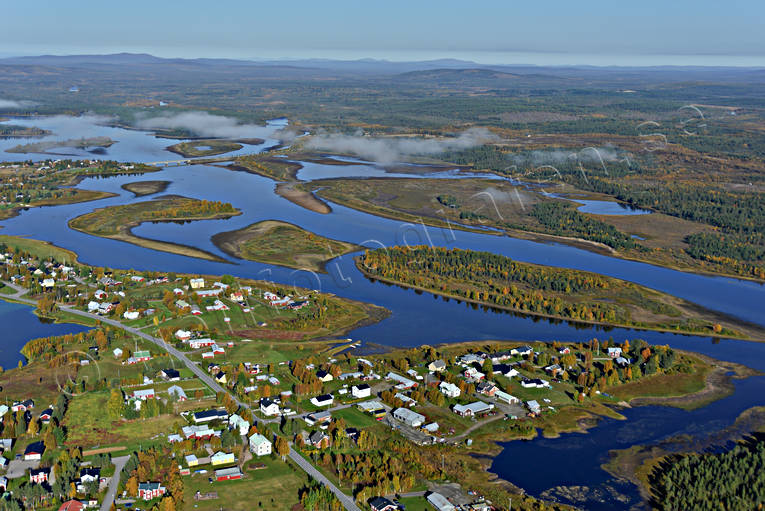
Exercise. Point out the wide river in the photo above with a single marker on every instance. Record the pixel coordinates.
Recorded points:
(416, 318)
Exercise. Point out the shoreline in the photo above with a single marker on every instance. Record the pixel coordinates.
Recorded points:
(370, 275)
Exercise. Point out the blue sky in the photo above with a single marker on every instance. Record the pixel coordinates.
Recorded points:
(565, 32)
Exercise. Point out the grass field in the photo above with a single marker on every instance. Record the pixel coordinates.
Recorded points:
(416, 504)
(273, 488)
(89, 426)
(40, 248)
(281, 243)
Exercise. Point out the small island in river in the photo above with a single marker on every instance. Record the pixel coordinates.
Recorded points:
(211, 147)
(143, 188)
(282, 243)
(117, 222)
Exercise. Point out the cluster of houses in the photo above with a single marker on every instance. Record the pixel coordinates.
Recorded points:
(283, 301)
(47, 274)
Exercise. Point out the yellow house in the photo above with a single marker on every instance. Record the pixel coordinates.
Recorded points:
(222, 458)
(192, 460)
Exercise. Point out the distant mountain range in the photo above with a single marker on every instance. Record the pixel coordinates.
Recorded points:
(374, 66)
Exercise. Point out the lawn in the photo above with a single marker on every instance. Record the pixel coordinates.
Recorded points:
(273, 488)
(89, 426)
(415, 504)
(355, 418)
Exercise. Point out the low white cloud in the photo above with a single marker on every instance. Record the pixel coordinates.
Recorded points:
(204, 124)
(390, 150)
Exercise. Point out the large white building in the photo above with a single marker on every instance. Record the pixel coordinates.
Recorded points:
(260, 445)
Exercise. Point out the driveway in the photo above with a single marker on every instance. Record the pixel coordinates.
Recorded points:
(114, 482)
(19, 468)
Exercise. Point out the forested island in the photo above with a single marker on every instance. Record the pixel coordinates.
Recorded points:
(498, 281)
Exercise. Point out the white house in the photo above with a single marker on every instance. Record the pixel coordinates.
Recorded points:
(268, 407)
(260, 445)
(131, 315)
(361, 391)
(449, 389)
(324, 400)
(506, 398)
(117, 352)
(238, 423)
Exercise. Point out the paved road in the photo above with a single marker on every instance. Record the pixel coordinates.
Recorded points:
(347, 501)
(111, 492)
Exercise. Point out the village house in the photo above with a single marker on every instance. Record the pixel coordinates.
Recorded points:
(565, 350)
(554, 370)
(268, 407)
(148, 491)
(533, 407)
(22, 406)
(39, 475)
(260, 445)
(500, 356)
(191, 460)
(437, 366)
(473, 374)
(208, 293)
(408, 417)
(199, 432)
(222, 458)
(505, 370)
(361, 391)
(439, 502)
(228, 474)
(449, 389)
(34, 451)
(131, 315)
(170, 374)
(506, 398)
(318, 417)
(404, 383)
(522, 351)
(534, 383)
(382, 504)
(614, 352)
(239, 424)
(197, 283)
(46, 415)
(319, 440)
(323, 400)
(209, 415)
(324, 376)
(408, 401)
(195, 344)
(176, 392)
(144, 394)
(182, 335)
(473, 409)
(470, 359)
(486, 388)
